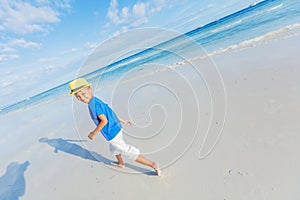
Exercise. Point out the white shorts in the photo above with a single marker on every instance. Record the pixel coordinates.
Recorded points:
(118, 146)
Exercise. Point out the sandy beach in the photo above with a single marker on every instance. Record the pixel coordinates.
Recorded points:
(45, 152)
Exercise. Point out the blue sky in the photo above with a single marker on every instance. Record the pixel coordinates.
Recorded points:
(43, 42)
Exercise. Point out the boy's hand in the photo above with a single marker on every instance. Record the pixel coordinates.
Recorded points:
(92, 135)
(127, 122)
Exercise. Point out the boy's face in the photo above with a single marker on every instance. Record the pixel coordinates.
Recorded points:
(85, 95)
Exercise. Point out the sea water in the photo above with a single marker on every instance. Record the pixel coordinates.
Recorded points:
(259, 23)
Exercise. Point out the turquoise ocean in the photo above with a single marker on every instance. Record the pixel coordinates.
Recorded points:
(257, 24)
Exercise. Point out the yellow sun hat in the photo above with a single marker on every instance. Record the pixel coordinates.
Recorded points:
(77, 85)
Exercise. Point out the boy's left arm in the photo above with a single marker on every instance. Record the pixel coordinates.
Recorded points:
(125, 122)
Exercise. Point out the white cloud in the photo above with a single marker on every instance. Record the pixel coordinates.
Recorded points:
(134, 16)
(5, 57)
(72, 50)
(22, 17)
(139, 22)
(90, 45)
(113, 12)
(46, 60)
(139, 9)
(125, 12)
(59, 4)
(158, 5)
(23, 43)
(123, 29)
(63, 4)
(9, 50)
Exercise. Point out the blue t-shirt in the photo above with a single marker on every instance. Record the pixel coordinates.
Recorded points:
(113, 126)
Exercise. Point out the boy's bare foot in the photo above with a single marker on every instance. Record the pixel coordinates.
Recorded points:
(116, 164)
(157, 170)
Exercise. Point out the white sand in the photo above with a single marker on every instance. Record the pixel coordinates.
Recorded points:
(256, 156)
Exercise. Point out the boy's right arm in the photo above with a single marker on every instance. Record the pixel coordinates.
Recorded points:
(103, 122)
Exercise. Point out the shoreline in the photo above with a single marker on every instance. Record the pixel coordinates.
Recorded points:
(283, 33)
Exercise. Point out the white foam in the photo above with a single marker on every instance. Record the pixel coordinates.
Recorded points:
(275, 7)
(285, 32)
(226, 27)
(282, 33)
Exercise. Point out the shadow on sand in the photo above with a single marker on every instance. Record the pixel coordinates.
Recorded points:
(12, 183)
(69, 146)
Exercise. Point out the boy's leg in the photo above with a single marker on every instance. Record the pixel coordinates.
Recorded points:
(120, 162)
(145, 161)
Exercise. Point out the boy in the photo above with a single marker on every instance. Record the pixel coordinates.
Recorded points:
(109, 125)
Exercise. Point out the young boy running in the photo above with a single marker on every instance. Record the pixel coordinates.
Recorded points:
(109, 125)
